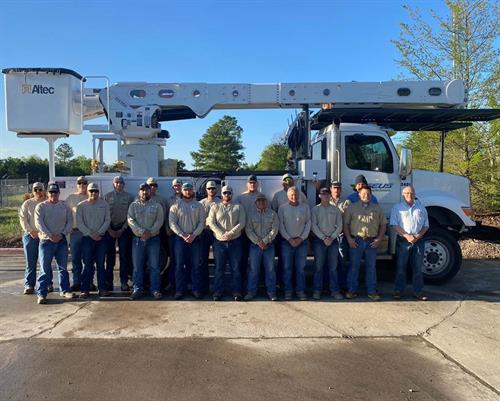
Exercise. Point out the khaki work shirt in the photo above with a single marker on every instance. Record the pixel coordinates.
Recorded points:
(72, 202)
(364, 221)
(326, 221)
(295, 221)
(281, 197)
(144, 216)
(262, 225)
(226, 218)
(53, 219)
(119, 203)
(187, 218)
(207, 204)
(27, 214)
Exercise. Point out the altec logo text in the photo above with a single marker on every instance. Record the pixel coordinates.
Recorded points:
(37, 89)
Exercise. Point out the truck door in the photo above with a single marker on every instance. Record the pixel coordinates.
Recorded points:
(374, 156)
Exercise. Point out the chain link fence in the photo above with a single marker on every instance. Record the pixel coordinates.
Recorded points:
(12, 191)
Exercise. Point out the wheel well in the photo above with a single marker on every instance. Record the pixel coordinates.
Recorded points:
(439, 216)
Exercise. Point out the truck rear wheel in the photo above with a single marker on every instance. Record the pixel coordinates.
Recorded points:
(442, 256)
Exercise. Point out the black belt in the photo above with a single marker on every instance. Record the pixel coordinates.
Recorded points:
(365, 238)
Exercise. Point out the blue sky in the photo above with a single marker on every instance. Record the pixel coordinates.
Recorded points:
(202, 41)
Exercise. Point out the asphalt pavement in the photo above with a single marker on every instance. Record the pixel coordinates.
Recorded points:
(447, 348)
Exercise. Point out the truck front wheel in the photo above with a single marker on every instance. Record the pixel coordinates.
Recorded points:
(442, 256)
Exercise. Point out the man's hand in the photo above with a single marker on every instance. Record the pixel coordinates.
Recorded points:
(56, 238)
(376, 242)
(295, 242)
(226, 236)
(190, 238)
(146, 235)
(95, 236)
(262, 245)
(118, 233)
(352, 243)
(328, 241)
(34, 234)
(112, 233)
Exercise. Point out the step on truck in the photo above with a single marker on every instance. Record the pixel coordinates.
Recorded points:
(343, 129)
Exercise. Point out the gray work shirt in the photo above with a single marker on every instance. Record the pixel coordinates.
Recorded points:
(247, 200)
(187, 217)
(72, 202)
(53, 219)
(207, 204)
(144, 216)
(326, 221)
(262, 225)
(93, 217)
(295, 221)
(119, 203)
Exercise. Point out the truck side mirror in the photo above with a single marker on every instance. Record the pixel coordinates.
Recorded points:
(405, 163)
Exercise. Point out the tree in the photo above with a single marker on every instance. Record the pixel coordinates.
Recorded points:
(274, 156)
(220, 147)
(459, 45)
(181, 166)
(63, 153)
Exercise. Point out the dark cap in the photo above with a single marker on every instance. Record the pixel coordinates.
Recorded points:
(324, 190)
(336, 184)
(360, 179)
(252, 178)
(187, 185)
(53, 187)
(366, 187)
(144, 185)
(118, 178)
(260, 196)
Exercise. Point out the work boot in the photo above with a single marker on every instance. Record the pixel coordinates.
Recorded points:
(41, 300)
(29, 291)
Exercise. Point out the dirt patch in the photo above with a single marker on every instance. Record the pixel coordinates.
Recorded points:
(11, 242)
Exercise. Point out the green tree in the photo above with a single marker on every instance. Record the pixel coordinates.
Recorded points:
(458, 45)
(274, 156)
(181, 166)
(220, 148)
(63, 153)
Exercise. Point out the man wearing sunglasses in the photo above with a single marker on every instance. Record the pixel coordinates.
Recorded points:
(145, 218)
(54, 222)
(76, 236)
(207, 236)
(119, 201)
(227, 219)
(92, 219)
(187, 220)
(172, 199)
(30, 236)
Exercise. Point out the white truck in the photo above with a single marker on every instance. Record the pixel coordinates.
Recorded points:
(352, 136)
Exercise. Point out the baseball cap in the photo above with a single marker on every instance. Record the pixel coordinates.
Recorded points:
(336, 184)
(176, 181)
(227, 188)
(53, 187)
(187, 185)
(252, 178)
(151, 180)
(360, 179)
(260, 196)
(118, 178)
(144, 185)
(324, 190)
(93, 187)
(211, 184)
(38, 185)
(82, 178)
(286, 176)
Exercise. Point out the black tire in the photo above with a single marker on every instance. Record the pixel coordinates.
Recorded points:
(442, 256)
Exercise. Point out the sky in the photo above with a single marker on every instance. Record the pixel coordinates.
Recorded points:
(231, 41)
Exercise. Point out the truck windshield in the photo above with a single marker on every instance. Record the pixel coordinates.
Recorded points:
(368, 152)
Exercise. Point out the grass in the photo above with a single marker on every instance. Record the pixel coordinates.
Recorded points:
(10, 229)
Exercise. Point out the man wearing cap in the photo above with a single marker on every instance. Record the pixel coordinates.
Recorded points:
(145, 218)
(359, 182)
(30, 236)
(54, 221)
(172, 199)
(364, 229)
(93, 219)
(261, 228)
(207, 236)
(410, 221)
(119, 201)
(153, 184)
(187, 220)
(342, 204)
(326, 224)
(295, 224)
(227, 219)
(281, 197)
(76, 236)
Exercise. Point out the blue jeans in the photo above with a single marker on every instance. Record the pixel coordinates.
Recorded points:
(415, 254)
(141, 250)
(326, 256)
(125, 256)
(258, 257)
(207, 239)
(294, 258)
(75, 242)
(49, 250)
(355, 254)
(30, 246)
(94, 254)
(187, 255)
(227, 251)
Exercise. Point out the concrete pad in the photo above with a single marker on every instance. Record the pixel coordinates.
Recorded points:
(472, 338)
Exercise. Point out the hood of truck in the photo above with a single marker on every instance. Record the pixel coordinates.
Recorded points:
(454, 185)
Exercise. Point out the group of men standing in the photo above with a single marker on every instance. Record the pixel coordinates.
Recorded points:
(246, 233)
